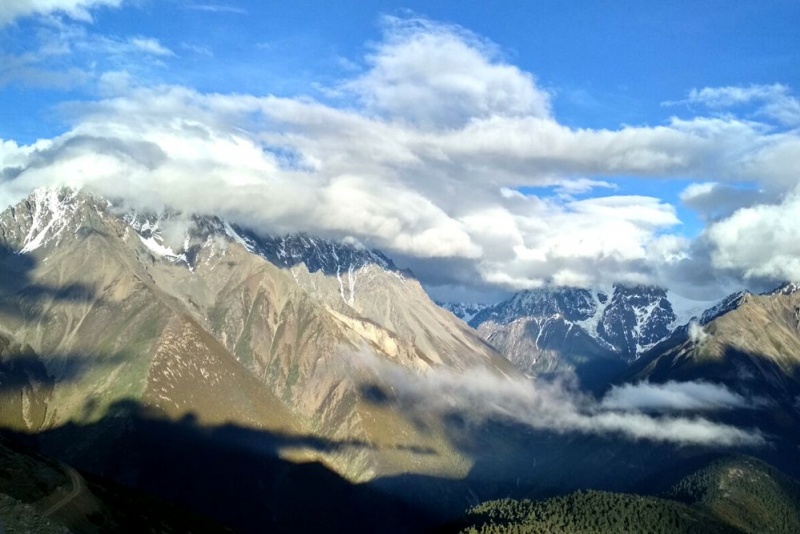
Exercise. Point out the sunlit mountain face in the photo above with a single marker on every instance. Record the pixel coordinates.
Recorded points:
(398, 267)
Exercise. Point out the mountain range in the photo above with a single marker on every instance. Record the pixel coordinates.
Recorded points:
(183, 354)
(553, 329)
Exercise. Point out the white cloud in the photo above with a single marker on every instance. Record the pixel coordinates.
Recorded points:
(148, 45)
(774, 101)
(69, 55)
(198, 49)
(218, 8)
(697, 333)
(11, 10)
(443, 76)
(580, 186)
(480, 395)
(760, 241)
(673, 397)
(122, 47)
(436, 179)
(732, 95)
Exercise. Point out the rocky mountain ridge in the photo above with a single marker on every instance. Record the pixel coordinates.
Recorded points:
(113, 306)
(463, 310)
(550, 328)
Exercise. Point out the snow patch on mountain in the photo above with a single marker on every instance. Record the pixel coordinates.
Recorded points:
(148, 228)
(729, 303)
(686, 309)
(787, 288)
(463, 310)
(627, 320)
(51, 215)
(601, 301)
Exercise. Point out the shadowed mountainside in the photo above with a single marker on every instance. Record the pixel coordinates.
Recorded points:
(38, 494)
(233, 474)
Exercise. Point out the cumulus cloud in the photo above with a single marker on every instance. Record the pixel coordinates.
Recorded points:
(443, 76)
(11, 10)
(760, 241)
(480, 395)
(443, 176)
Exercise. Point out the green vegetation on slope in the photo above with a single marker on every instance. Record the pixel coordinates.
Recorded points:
(746, 493)
(731, 494)
(591, 511)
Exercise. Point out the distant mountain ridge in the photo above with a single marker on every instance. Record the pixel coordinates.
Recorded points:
(463, 310)
(549, 328)
(318, 254)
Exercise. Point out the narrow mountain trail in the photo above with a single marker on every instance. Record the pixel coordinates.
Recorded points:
(77, 489)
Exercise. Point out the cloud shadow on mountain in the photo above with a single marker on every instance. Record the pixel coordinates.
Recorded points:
(227, 472)
(21, 295)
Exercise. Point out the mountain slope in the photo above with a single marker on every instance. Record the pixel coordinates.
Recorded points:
(746, 493)
(592, 511)
(107, 310)
(751, 347)
(751, 343)
(40, 495)
(593, 332)
(463, 310)
(731, 494)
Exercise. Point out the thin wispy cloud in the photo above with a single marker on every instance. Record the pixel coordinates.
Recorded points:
(218, 8)
(775, 101)
(674, 397)
(71, 55)
(480, 395)
(11, 10)
(198, 49)
(149, 45)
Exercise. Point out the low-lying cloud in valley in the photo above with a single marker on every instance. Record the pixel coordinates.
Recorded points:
(481, 395)
(673, 397)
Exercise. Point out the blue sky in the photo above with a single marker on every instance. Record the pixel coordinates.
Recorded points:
(609, 63)
(532, 142)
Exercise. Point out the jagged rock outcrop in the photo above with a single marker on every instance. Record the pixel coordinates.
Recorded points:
(556, 328)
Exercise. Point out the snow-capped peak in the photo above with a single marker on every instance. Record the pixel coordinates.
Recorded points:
(628, 320)
(318, 254)
(787, 288)
(51, 209)
(463, 310)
